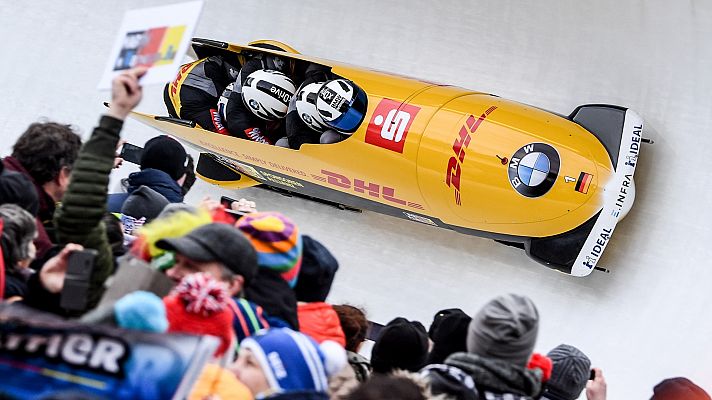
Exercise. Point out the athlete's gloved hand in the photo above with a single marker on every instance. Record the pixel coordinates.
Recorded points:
(126, 92)
(255, 134)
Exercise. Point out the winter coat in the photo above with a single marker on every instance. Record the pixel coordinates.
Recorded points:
(498, 380)
(46, 207)
(269, 290)
(155, 179)
(342, 383)
(79, 218)
(320, 321)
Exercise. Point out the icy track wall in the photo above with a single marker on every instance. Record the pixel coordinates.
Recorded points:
(645, 321)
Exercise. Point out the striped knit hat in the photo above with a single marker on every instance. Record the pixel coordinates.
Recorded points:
(294, 362)
(277, 241)
(249, 318)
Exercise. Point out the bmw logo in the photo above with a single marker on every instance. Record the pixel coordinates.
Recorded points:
(533, 169)
(254, 104)
(307, 118)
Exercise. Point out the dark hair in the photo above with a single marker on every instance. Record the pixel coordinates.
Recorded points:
(387, 387)
(45, 148)
(353, 323)
(18, 232)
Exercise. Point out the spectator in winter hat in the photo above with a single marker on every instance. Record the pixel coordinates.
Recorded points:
(281, 363)
(317, 272)
(279, 255)
(570, 373)
(448, 333)
(401, 344)
(199, 305)
(163, 169)
(15, 188)
(217, 249)
(355, 326)
(144, 202)
(277, 241)
(678, 389)
(500, 341)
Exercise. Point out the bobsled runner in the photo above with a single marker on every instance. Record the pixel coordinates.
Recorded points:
(449, 157)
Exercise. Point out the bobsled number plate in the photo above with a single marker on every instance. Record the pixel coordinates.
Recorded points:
(619, 194)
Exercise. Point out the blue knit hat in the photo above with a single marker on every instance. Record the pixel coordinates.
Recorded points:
(143, 311)
(294, 362)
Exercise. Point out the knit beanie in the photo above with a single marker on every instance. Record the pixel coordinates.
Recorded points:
(678, 389)
(448, 333)
(17, 189)
(199, 305)
(165, 154)
(277, 241)
(505, 329)
(144, 202)
(294, 362)
(248, 319)
(401, 344)
(143, 311)
(571, 370)
(317, 274)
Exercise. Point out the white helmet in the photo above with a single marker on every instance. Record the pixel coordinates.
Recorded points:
(267, 93)
(305, 102)
(342, 105)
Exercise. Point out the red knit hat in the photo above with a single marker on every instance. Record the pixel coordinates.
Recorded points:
(199, 305)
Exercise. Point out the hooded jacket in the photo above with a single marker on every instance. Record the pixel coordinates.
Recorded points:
(497, 379)
(320, 321)
(154, 179)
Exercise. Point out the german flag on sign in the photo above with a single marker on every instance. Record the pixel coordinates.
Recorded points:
(583, 182)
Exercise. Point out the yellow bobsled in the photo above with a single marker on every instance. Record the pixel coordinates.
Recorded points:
(451, 157)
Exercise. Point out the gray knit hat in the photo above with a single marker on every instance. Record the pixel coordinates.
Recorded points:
(144, 202)
(505, 329)
(570, 373)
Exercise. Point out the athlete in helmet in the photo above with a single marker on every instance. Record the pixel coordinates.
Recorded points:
(194, 93)
(303, 122)
(342, 105)
(252, 106)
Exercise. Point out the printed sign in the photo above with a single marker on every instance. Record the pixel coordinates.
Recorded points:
(156, 37)
(390, 123)
(43, 355)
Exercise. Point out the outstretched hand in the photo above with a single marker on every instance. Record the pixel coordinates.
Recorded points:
(126, 92)
(596, 388)
(55, 269)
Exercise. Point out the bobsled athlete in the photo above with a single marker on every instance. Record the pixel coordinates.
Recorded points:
(252, 106)
(327, 119)
(194, 93)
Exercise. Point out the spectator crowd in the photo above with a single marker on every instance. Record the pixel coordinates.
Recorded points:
(252, 280)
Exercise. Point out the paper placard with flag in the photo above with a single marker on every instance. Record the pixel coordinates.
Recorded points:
(156, 37)
(43, 355)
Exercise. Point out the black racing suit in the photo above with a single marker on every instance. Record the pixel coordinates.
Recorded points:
(197, 94)
(237, 118)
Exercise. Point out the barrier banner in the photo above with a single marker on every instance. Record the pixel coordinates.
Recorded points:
(42, 355)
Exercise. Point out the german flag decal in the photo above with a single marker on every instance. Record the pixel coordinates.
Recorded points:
(583, 182)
